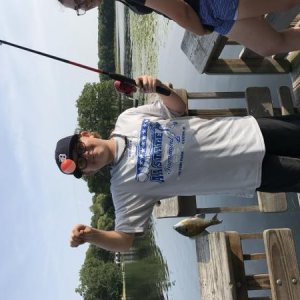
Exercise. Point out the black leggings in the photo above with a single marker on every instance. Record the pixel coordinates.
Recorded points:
(281, 164)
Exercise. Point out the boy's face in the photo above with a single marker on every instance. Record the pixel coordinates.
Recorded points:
(81, 4)
(92, 154)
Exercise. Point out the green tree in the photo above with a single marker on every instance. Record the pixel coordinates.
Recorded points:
(98, 107)
(100, 182)
(106, 37)
(99, 280)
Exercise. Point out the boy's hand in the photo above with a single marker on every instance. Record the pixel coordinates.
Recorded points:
(78, 234)
(147, 84)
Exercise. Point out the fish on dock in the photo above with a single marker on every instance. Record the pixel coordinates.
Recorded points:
(195, 225)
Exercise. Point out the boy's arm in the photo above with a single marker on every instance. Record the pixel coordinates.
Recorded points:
(180, 12)
(173, 102)
(108, 240)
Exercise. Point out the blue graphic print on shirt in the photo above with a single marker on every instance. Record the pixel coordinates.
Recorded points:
(160, 150)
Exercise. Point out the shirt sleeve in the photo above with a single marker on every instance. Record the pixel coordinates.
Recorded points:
(132, 212)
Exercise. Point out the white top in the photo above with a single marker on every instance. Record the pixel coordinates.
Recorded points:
(169, 156)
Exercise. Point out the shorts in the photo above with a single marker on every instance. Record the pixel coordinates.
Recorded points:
(219, 14)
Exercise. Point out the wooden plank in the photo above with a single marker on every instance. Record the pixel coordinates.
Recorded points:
(168, 208)
(261, 298)
(254, 256)
(219, 47)
(179, 206)
(214, 210)
(258, 282)
(294, 57)
(247, 53)
(259, 103)
(214, 113)
(250, 235)
(238, 264)
(216, 95)
(282, 264)
(232, 43)
(250, 66)
(200, 50)
(215, 268)
(286, 100)
(272, 202)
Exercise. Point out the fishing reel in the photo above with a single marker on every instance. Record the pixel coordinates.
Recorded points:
(124, 88)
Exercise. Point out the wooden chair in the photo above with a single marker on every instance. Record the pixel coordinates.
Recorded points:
(221, 265)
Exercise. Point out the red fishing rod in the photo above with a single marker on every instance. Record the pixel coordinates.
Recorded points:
(124, 84)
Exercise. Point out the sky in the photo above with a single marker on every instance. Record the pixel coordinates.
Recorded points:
(40, 205)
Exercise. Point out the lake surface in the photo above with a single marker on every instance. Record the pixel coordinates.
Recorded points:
(178, 251)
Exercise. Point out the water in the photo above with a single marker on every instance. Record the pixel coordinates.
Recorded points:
(179, 251)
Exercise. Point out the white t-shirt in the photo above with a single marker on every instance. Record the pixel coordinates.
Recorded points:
(169, 156)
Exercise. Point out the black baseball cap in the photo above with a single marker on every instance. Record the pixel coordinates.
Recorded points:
(64, 151)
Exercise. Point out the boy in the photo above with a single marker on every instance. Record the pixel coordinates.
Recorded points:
(156, 152)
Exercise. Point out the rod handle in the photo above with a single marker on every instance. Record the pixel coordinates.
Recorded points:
(130, 81)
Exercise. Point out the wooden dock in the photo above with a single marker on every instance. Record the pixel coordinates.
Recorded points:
(221, 265)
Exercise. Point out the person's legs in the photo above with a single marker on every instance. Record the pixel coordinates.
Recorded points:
(256, 8)
(258, 35)
(281, 135)
(280, 174)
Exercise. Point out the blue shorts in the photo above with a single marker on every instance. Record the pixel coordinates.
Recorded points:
(219, 14)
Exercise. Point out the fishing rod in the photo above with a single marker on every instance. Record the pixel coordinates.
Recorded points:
(127, 85)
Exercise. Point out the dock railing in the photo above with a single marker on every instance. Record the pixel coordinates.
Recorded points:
(221, 265)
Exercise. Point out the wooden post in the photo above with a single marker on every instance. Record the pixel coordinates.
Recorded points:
(214, 113)
(282, 264)
(215, 267)
(286, 101)
(294, 57)
(179, 206)
(238, 264)
(250, 66)
(201, 50)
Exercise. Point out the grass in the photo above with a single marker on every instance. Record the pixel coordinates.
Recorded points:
(147, 35)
